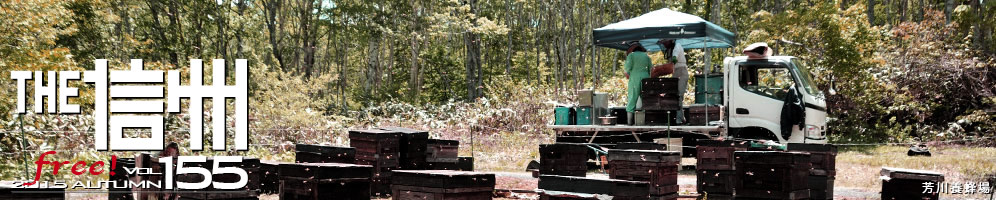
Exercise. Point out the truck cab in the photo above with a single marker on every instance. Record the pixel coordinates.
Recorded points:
(756, 90)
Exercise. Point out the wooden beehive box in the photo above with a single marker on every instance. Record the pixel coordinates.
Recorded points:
(413, 146)
(10, 190)
(552, 185)
(306, 153)
(717, 154)
(823, 156)
(820, 187)
(441, 185)
(567, 159)
(658, 168)
(442, 150)
(380, 149)
(324, 181)
(898, 183)
(772, 174)
(269, 178)
(718, 182)
(462, 164)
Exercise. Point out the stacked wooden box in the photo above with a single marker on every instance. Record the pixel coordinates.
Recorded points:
(660, 101)
(772, 174)
(441, 185)
(658, 168)
(701, 114)
(552, 187)
(442, 155)
(10, 190)
(307, 153)
(660, 94)
(715, 168)
(250, 165)
(821, 176)
(324, 181)
(565, 159)
(900, 183)
(413, 144)
(269, 180)
(120, 178)
(380, 149)
(641, 146)
(462, 164)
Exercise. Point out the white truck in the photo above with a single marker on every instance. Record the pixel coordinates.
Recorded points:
(754, 92)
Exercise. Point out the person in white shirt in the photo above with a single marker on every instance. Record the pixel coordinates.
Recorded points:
(677, 56)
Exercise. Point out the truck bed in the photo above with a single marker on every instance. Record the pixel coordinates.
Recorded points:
(597, 128)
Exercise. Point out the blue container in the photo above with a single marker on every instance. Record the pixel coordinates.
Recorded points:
(562, 116)
(583, 115)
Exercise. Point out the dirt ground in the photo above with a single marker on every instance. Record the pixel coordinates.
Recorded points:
(857, 172)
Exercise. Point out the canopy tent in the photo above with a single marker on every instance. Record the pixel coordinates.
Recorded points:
(691, 31)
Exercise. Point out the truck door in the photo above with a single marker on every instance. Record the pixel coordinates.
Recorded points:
(758, 89)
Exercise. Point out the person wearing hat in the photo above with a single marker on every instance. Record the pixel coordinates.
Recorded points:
(677, 56)
(637, 68)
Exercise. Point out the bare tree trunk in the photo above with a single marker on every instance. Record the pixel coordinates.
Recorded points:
(473, 59)
(949, 6)
(272, 10)
(903, 10)
(871, 12)
(508, 53)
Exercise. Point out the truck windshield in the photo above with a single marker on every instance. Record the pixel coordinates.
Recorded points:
(806, 78)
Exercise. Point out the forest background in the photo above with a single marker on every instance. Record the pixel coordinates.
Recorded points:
(486, 72)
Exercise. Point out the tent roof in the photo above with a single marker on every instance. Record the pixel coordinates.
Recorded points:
(691, 31)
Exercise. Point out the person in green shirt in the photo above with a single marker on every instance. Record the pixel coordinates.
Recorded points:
(637, 68)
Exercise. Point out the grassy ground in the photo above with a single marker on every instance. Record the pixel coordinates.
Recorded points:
(859, 167)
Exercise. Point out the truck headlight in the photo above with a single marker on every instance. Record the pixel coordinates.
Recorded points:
(813, 131)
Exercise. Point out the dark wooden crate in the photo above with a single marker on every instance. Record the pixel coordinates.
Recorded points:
(697, 114)
(716, 158)
(908, 183)
(413, 146)
(545, 196)
(569, 159)
(215, 195)
(771, 177)
(269, 179)
(442, 150)
(823, 156)
(641, 146)
(306, 153)
(11, 190)
(292, 188)
(402, 192)
(715, 196)
(773, 157)
(618, 189)
(665, 157)
(443, 179)
(820, 187)
(716, 181)
(662, 177)
(672, 196)
(660, 118)
(462, 164)
(324, 170)
(762, 194)
(620, 113)
(660, 94)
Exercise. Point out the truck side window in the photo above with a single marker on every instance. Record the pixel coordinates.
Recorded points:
(766, 80)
